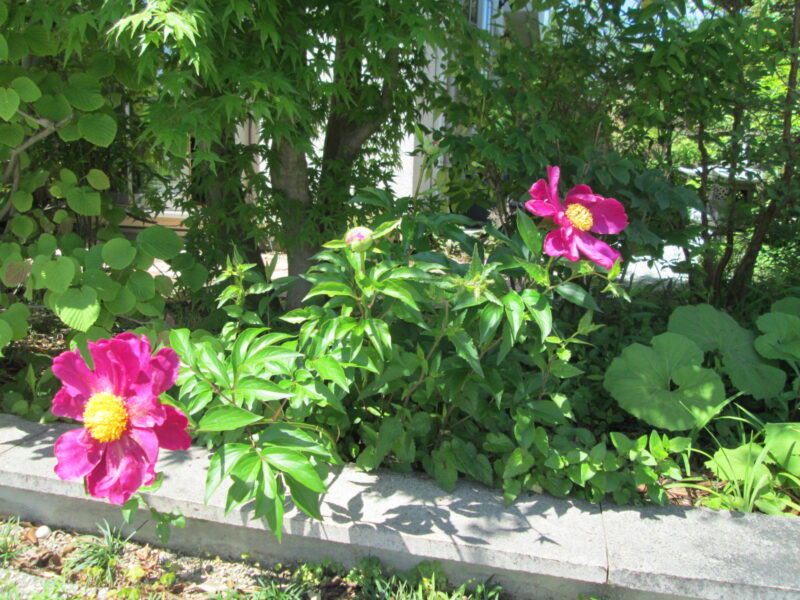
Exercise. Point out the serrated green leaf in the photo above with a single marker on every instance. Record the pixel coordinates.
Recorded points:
(82, 201)
(78, 308)
(162, 243)
(58, 274)
(98, 129)
(22, 200)
(9, 103)
(118, 253)
(141, 285)
(98, 180)
(26, 89)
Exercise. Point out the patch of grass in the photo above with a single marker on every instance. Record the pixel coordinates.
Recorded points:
(96, 557)
(9, 542)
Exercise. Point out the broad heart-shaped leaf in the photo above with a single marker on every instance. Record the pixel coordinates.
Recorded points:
(788, 306)
(781, 339)
(98, 180)
(641, 381)
(783, 442)
(58, 274)
(712, 329)
(9, 103)
(26, 89)
(160, 242)
(745, 463)
(78, 308)
(118, 253)
(98, 129)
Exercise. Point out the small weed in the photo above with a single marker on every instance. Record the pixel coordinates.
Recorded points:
(96, 558)
(9, 546)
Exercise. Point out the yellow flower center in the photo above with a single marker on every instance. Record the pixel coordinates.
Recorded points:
(106, 417)
(580, 216)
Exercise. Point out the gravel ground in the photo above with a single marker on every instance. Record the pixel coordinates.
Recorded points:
(42, 556)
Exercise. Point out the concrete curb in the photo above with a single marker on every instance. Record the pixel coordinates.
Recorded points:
(540, 548)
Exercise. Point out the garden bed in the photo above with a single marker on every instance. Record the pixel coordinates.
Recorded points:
(539, 547)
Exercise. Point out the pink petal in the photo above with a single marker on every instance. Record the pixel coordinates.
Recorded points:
(596, 250)
(66, 404)
(120, 361)
(125, 469)
(78, 382)
(164, 367)
(553, 175)
(561, 242)
(582, 193)
(172, 433)
(541, 208)
(147, 441)
(609, 216)
(77, 454)
(144, 409)
(545, 193)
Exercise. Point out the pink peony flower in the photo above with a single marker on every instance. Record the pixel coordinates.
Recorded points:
(583, 211)
(124, 424)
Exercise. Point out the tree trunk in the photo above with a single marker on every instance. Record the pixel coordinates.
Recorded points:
(743, 274)
(289, 176)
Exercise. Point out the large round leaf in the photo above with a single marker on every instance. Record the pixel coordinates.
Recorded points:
(58, 274)
(781, 339)
(118, 253)
(664, 385)
(160, 242)
(9, 103)
(712, 329)
(141, 285)
(78, 308)
(783, 442)
(98, 129)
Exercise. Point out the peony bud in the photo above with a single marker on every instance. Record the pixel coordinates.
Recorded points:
(359, 239)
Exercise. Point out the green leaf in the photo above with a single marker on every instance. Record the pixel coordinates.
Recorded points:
(3, 45)
(163, 243)
(401, 291)
(577, 295)
(53, 107)
(221, 465)
(58, 274)
(22, 200)
(16, 317)
(712, 329)
(331, 288)
(642, 379)
(783, 442)
(98, 129)
(6, 335)
(745, 463)
(227, 418)
(296, 465)
(26, 89)
(781, 339)
(306, 499)
(329, 368)
(83, 92)
(490, 317)
(518, 463)
(78, 308)
(264, 390)
(22, 226)
(465, 348)
(515, 311)
(141, 285)
(118, 253)
(122, 303)
(11, 134)
(9, 103)
(98, 180)
(529, 233)
(83, 202)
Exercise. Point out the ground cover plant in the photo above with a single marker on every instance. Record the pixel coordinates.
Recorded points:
(70, 565)
(517, 356)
